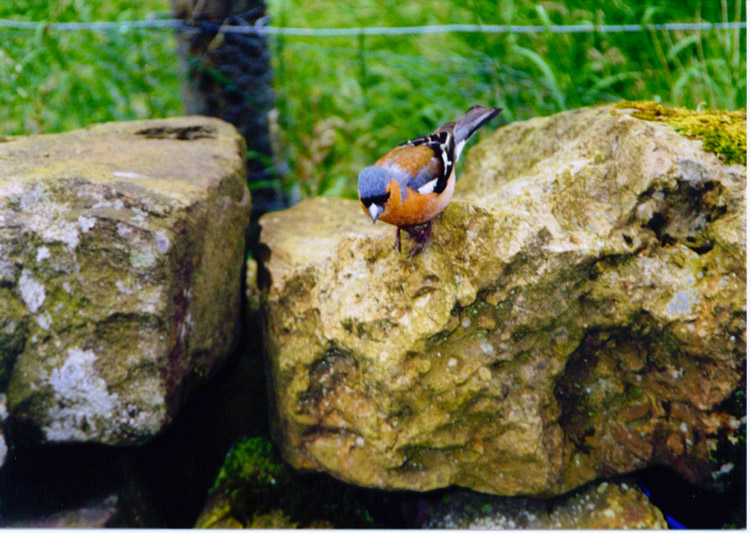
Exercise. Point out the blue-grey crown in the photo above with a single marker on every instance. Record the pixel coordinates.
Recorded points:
(372, 183)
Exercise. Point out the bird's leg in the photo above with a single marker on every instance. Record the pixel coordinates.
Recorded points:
(420, 234)
(398, 238)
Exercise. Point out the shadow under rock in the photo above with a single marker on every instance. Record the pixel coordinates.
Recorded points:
(180, 465)
(160, 484)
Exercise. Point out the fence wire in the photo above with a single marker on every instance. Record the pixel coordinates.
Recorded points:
(171, 24)
(339, 102)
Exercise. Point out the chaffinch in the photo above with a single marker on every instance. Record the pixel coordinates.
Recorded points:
(412, 184)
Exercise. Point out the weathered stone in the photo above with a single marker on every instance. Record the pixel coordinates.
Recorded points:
(603, 506)
(98, 514)
(580, 313)
(109, 511)
(121, 249)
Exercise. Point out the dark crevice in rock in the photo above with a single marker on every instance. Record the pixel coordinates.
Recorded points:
(314, 432)
(689, 505)
(127, 319)
(682, 215)
(326, 374)
(31, 487)
(11, 346)
(657, 224)
(701, 248)
(180, 465)
(182, 133)
(262, 254)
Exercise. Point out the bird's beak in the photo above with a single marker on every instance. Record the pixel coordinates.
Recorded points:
(375, 211)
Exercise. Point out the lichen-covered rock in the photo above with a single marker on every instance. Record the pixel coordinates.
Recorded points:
(603, 506)
(723, 133)
(121, 249)
(580, 313)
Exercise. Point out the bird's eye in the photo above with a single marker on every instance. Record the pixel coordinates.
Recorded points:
(380, 199)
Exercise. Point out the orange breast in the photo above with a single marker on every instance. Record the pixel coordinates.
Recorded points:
(416, 208)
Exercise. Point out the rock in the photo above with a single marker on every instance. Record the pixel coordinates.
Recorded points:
(3, 417)
(3, 449)
(110, 511)
(121, 250)
(255, 489)
(603, 506)
(580, 313)
(97, 514)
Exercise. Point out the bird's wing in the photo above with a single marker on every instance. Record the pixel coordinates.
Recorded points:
(434, 176)
(428, 169)
(413, 166)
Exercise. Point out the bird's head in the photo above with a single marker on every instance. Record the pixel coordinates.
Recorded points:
(373, 190)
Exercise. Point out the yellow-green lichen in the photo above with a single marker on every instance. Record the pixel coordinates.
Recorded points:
(722, 132)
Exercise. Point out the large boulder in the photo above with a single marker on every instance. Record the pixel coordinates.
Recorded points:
(121, 249)
(580, 313)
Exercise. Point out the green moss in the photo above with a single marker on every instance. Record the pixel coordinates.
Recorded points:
(255, 488)
(723, 133)
(251, 461)
(633, 392)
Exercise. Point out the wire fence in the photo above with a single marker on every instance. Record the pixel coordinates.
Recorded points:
(342, 94)
(262, 29)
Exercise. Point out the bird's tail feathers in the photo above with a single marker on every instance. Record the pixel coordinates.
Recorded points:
(472, 120)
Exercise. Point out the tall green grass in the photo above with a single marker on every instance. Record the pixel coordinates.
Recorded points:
(343, 101)
(54, 81)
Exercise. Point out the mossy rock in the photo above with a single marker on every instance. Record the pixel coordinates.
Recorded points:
(723, 133)
(256, 489)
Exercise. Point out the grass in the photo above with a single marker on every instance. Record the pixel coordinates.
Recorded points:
(344, 101)
(54, 81)
(341, 102)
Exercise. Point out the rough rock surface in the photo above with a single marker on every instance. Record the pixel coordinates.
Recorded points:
(580, 313)
(121, 249)
(605, 506)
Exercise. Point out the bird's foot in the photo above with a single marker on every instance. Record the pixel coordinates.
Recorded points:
(420, 234)
(398, 239)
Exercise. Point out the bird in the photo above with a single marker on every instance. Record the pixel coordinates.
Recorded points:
(412, 184)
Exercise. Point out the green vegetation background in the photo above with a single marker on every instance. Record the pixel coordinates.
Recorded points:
(343, 101)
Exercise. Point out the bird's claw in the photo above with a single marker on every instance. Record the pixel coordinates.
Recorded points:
(420, 234)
